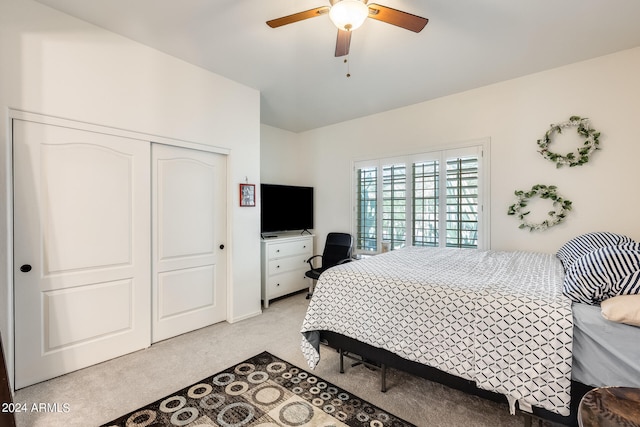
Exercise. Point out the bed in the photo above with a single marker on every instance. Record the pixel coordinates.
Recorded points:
(498, 322)
(605, 352)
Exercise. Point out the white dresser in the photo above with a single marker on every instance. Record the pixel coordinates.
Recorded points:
(284, 262)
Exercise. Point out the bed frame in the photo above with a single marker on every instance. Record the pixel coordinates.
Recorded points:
(383, 359)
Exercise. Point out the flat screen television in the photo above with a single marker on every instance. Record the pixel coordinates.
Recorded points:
(285, 208)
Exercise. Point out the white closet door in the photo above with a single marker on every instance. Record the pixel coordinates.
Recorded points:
(189, 233)
(82, 238)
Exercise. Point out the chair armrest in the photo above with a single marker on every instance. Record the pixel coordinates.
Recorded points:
(310, 263)
(344, 261)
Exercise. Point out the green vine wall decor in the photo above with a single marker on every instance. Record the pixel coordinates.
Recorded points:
(561, 207)
(582, 154)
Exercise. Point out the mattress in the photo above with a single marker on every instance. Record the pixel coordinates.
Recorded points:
(605, 353)
(496, 318)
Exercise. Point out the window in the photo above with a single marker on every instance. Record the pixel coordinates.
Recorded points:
(426, 203)
(429, 199)
(394, 204)
(366, 223)
(462, 202)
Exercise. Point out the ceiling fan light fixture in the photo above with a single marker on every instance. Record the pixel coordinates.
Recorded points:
(348, 15)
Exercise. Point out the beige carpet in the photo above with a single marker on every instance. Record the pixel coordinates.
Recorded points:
(105, 391)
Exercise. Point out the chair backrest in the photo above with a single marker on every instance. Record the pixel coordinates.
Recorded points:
(336, 248)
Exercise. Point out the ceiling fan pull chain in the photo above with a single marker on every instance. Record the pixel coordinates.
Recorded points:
(346, 61)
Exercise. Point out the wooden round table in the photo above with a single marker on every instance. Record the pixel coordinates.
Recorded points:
(610, 407)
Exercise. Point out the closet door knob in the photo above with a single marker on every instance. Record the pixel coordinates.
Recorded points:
(25, 268)
(221, 246)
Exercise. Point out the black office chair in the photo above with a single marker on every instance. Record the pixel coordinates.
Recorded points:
(337, 250)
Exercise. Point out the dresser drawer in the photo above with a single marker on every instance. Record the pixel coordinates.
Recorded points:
(285, 249)
(284, 265)
(286, 283)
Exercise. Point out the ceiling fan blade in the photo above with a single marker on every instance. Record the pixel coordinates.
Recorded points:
(300, 16)
(343, 42)
(399, 18)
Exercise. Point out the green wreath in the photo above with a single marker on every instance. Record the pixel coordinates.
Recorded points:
(544, 192)
(591, 143)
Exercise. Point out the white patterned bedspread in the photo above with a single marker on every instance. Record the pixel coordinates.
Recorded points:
(496, 318)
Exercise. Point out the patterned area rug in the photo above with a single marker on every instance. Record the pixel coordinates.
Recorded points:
(263, 391)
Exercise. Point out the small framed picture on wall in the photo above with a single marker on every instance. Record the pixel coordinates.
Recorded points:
(247, 195)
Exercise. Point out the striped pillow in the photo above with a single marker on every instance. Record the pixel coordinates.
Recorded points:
(604, 273)
(581, 245)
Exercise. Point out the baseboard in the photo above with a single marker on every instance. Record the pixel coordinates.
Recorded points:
(246, 316)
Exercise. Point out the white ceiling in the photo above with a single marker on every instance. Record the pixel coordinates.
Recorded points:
(466, 44)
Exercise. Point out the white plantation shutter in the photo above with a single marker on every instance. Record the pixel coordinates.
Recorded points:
(367, 208)
(462, 202)
(429, 199)
(394, 204)
(426, 201)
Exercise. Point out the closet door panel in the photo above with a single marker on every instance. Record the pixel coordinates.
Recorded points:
(82, 238)
(189, 234)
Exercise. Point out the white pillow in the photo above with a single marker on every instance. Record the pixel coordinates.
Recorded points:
(622, 309)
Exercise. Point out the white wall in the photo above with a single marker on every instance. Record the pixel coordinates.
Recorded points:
(56, 65)
(513, 114)
(285, 161)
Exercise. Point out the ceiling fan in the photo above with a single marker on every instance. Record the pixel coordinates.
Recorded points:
(348, 15)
